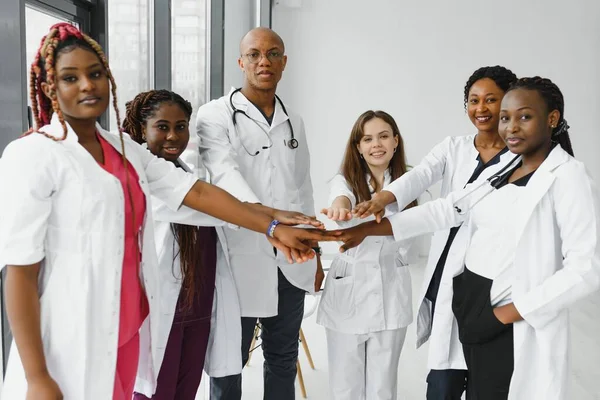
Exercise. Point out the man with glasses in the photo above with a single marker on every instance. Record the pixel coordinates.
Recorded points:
(254, 147)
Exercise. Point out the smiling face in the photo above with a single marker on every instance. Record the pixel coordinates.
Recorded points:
(526, 124)
(378, 143)
(82, 86)
(167, 131)
(483, 106)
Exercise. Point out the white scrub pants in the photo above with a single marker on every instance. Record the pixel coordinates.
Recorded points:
(364, 367)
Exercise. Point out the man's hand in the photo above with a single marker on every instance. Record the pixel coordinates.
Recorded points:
(351, 237)
(293, 242)
(375, 206)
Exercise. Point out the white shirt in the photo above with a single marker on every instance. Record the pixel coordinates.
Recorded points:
(492, 248)
(277, 177)
(66, 211)
(368, 288)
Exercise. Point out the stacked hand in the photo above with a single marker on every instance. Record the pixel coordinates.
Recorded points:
(375, 206)
(295, 242)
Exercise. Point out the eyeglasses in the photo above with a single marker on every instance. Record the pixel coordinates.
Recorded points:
(272, 56)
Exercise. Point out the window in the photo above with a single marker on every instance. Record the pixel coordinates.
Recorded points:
(128, 51)
(188, 61)
(37, 25)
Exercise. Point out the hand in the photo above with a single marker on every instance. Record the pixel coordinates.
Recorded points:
(351, 237)
(43, 388)
(375, 206)
(507, 314)
(293, 241)
(319, 276)
(295, 218)
(337, 213)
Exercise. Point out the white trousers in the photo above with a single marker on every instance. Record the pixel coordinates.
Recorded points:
(364, 367)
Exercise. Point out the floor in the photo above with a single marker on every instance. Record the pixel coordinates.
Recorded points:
(585, 383)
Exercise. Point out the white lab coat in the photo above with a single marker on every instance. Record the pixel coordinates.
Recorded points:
(374, 292)
(223, 355)
(67, 212)
(452, 161)
(557, 262)
(278, 177)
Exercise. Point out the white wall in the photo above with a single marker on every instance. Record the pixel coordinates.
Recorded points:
(412, 59)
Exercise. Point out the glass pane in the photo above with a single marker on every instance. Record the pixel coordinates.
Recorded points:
(37, 24)
(128, 44)
(188, 65)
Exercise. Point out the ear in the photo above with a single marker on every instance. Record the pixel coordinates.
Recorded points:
(48, 92)
(284, 61)
(144, 131)
(396, 140)
(241, 63)
(553, 118)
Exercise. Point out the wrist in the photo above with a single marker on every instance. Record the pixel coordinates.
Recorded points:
(37, 375)
(272, 227)
(387, 197)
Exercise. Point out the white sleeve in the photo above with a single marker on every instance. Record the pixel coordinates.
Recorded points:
(430, 170)
(166, 182)
(439, 214)
(27, 174)
(340, 187)
(218, 155)
(577, 211)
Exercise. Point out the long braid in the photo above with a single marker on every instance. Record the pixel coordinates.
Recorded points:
(138, 111)
(554, 100)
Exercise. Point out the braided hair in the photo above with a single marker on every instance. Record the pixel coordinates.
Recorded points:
(554, 100)
(503, 77)
(64, 37)
(139, 110)
(144, 106)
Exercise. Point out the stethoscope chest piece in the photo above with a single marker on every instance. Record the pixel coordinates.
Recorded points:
(292, 144)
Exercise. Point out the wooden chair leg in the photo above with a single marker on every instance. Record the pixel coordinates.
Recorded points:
(306, 350)
(301, 379)
(253, 343)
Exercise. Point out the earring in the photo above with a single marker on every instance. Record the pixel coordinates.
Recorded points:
(361, 156)
(395, 149)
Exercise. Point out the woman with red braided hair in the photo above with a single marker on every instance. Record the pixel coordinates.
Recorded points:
(81, 270)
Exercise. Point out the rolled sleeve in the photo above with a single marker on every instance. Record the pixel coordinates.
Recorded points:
(26, 171)
(431, 169)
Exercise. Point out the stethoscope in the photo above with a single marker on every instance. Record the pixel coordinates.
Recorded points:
(493, 182)
(292, 143)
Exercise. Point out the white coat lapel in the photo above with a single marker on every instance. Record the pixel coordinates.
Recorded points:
(537, 187)
(115, 141)
(279, 116)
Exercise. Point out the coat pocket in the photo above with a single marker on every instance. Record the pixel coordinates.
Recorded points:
(339, 296)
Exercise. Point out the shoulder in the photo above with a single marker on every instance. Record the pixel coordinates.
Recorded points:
(217, 109)
(465, 141)
(34, 146)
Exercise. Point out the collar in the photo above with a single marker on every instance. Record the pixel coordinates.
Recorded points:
(387, 179)
(55, 129)
(243, 104)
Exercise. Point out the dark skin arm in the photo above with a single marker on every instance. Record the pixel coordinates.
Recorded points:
(23, 309)
(216, 202)
(354, 236)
